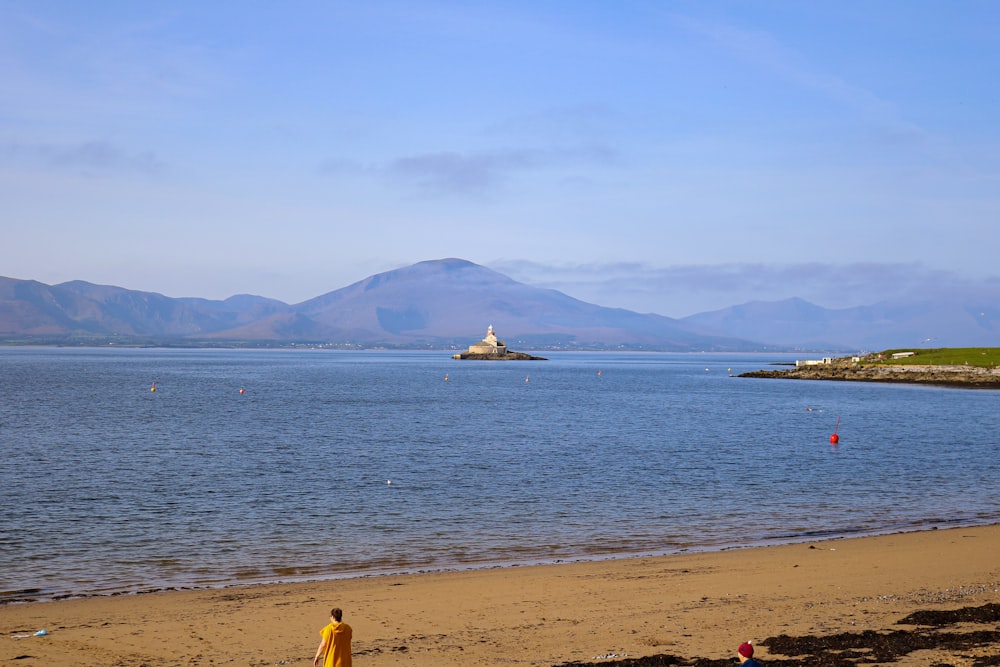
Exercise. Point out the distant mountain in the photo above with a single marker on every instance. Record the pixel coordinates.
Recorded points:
(435, 304)
(451, 301)
(80, 309)
(448, 303)
(959, 321)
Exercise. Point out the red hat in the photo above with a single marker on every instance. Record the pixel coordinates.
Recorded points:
(746, 650)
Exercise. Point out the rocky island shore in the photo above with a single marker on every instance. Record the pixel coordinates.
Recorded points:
(491, 348)
(506, 356)
(848, 369)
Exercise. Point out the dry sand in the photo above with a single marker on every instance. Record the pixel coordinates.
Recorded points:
(684, 605)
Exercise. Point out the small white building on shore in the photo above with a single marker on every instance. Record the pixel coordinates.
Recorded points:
(813, 362)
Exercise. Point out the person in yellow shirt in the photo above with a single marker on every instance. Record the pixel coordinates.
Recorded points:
(335, 647)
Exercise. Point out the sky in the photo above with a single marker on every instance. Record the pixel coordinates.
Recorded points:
(661, 156)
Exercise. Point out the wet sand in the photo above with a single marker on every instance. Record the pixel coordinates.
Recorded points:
(692, 606)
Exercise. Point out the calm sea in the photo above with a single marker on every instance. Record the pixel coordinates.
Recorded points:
(333, 464)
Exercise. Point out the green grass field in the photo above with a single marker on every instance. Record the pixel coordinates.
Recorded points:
(987, 357)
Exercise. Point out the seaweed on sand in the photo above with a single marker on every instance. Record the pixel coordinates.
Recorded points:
(848, 649)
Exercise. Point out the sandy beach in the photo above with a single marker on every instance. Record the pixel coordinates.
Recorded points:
(689, 605)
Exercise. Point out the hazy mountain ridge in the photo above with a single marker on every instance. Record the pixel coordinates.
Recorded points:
(449, 302)
(956, 321)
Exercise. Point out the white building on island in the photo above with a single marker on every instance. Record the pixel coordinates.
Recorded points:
(489, 345)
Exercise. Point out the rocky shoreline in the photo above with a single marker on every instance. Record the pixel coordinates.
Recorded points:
(972, 377)
(509, 356)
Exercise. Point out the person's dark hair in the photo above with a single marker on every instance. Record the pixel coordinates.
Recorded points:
(336, 613)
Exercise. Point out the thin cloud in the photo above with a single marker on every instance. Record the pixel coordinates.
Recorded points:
(462, 173)
(760, 48)
(686, 289)
(336, 166)
(576, 123)
(89, 157)
(453, 173)
(890, 127)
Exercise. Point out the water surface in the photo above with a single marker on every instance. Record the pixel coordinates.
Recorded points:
(346, 463)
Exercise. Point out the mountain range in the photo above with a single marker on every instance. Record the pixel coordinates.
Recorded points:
(448, 303)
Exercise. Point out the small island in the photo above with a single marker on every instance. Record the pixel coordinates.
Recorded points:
(974, 368)
(492, 349)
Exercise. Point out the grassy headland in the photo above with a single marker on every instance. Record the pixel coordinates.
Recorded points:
(982, 357)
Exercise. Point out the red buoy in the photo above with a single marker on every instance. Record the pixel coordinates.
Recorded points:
(834, 438)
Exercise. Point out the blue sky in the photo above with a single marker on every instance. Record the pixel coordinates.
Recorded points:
(668, 157)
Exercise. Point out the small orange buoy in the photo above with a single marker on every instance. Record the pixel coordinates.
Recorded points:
(834, 438)
(445, 378)
(153, 388)
(242, 391)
